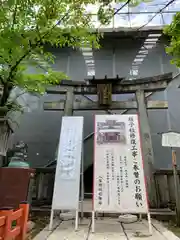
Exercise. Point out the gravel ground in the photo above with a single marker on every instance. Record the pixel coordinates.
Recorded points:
(40, 224)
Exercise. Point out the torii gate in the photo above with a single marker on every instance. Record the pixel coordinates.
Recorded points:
(104, 88)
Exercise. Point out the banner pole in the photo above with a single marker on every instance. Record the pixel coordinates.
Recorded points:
(149, 223)
(51, 220)
(77, 220)
(93, 221)
(82, 182)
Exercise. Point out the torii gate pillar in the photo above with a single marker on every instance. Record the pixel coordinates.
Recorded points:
(147, 148)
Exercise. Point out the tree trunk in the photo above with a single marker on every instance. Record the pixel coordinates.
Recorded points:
(5, 133)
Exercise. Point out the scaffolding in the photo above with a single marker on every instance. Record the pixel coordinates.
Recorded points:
(147, 15)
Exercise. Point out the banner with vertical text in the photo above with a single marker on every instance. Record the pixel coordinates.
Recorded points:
(67, 178)
(119, 183)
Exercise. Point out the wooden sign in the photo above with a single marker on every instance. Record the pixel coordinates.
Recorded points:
(171, 139)
(104, 92)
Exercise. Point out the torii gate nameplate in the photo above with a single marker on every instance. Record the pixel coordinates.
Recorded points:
(104, 92)
(104, 89)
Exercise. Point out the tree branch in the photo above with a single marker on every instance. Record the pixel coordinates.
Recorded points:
(34, 46)
(5, 95)
(12, 26)
(14, 15)
(55, 25)
(8, 85)
(2, 80)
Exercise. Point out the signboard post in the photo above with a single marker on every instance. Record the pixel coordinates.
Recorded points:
(172, 139)
(67, 177)
(118, 181)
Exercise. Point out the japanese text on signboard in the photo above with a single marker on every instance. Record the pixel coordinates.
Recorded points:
(137, 182)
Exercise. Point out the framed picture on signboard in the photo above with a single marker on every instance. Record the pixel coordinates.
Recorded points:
(111, 131)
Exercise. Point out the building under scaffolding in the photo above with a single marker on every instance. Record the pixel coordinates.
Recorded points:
(133, 47)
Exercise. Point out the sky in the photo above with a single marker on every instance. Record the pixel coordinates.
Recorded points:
(136, 17)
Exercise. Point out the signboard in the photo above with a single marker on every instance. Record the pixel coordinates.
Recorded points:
(67, 178)
(119, 184)
(104, 93)
(171, 139)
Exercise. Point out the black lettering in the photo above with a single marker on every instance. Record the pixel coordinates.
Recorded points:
(138, 189)
(138, 196)
(138, 204)
(133, 141)
(132, 135)
(136, 174)
(135, 167)
(133, 148)
(131, 124)
(131, 119)
(134, 153)
(137, 181)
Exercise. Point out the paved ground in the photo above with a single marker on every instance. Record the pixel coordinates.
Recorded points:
(108, 229)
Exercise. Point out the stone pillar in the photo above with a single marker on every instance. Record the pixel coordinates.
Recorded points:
(68, 106)
(68, 111)
(147, 149)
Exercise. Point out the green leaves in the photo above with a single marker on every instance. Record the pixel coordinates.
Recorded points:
(26, 26)
(38, 82)
(105, 14)
(173, 31)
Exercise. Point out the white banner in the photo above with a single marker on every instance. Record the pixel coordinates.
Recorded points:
(119, 183)
(67, 178)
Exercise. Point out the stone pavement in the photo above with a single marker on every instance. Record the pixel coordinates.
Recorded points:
(108, 229)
